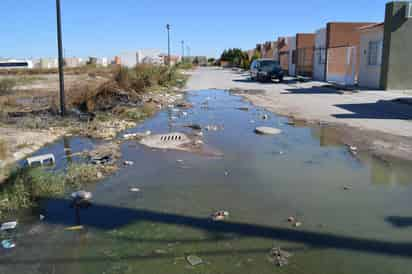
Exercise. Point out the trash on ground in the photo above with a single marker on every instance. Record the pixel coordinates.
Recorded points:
(291, 219)
(268, 130)
(8, 226)
(128, 163)
(184, 105)
(279, 256)
(134, 189)
(74, 228)
(226, 173)
(194, 260)
(194, 126)
(220, 215)
(41, 160)
(199, 134)
(41, 217)
(8, 244)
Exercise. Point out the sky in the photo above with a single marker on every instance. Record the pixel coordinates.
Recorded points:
(108, 27)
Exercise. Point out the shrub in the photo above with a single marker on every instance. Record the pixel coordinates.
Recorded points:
(7, 85)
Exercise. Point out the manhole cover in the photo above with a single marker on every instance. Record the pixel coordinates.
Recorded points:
(178, 141)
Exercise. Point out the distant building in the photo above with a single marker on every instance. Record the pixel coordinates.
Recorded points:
(103, 62)
(305, 43)
(49, 63)
(132, 58)
(73, 62)
(15, 64)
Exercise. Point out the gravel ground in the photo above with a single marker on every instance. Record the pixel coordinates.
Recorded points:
(368, 119)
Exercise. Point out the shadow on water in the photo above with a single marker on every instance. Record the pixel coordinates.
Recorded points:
(106, 217)
(400, 222)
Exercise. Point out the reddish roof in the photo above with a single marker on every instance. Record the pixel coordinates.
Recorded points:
(372, 26)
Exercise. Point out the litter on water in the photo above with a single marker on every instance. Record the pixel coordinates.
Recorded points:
(8, 244)
(8, 226)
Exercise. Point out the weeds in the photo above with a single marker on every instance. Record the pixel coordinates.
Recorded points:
(7, 85)
(3, 149)
(24, 187)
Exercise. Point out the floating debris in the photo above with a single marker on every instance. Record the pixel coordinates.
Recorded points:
(8, 226)
(82, 195)
(265, 117)
(194, 126)
(214, 128)
(194, 260)
(74, 228)
(297, 224)
(8, 244)
(134, 189)
(184, 105)
(41, 160)
(220, 215)
(128, 163)
(279, 256)
(243, 108)
(136, 135)
(347, 187)
(226, 173)
(267, 130)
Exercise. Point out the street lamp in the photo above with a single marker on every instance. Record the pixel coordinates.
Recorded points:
(61, 61)
(168, 44)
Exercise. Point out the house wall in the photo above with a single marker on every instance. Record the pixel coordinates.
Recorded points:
(283, 53)
(128, 59)
(342, 34)
(369, 75)
(319, 61)
(397, 45)
(305, 43)
(292, 48)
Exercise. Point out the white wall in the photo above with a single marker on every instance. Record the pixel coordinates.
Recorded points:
(129, 59)
(369, 75)
(320, 45)
(292, 47)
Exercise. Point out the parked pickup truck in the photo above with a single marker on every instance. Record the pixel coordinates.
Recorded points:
(264, 70)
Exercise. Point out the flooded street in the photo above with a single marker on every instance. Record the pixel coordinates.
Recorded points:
(353, 210)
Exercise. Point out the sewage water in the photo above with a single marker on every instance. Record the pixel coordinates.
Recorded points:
(260, 180)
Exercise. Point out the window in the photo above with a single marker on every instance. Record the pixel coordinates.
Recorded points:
(375, 53)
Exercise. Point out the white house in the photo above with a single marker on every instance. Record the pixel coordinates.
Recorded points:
(16, 64)
(371, 44)
(291, 41)
(319, 61)
(132, 58)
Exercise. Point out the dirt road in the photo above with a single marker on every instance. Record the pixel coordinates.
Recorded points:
(368, 119)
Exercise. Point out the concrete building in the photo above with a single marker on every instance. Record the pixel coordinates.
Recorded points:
(103, 61)
(132, 58)
(319, 62)
(16, 64)
(305, 44)
(371, 46)
(397, 44)
(342, 51)
(292, 55)
(73, 62)
(283, 53)
(49, 63)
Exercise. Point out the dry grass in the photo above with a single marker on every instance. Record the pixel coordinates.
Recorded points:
(3, 149)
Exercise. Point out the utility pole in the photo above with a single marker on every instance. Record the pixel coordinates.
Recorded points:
(61, 61)
(183, 51)
(168, 44)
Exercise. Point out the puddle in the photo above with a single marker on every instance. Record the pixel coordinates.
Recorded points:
(261, 180)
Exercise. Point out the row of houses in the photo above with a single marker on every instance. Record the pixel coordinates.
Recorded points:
(374, 55)
(127, 59)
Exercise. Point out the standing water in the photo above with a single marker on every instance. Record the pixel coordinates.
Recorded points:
(347, 214)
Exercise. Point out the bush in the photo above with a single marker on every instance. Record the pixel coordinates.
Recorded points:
(7, 85)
